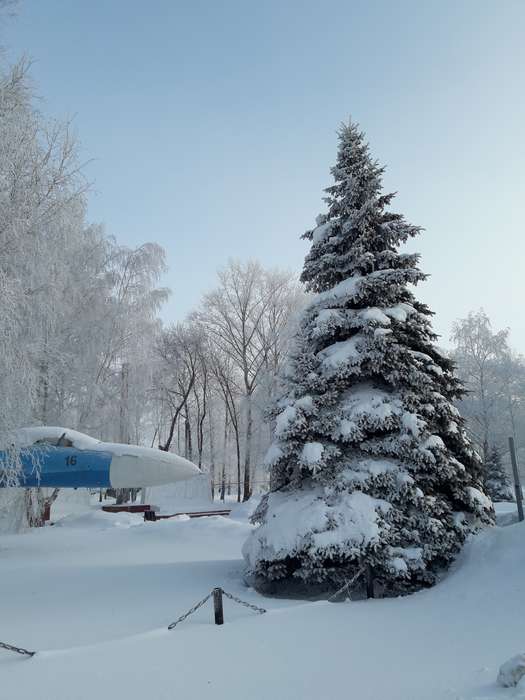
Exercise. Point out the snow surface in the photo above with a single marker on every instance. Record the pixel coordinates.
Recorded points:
(96, 592)
(70, 501)
(506, 513)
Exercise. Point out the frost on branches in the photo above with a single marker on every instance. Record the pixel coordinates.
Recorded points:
(370, 463)
(497, 481)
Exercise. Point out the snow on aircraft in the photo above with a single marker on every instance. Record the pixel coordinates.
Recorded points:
(59, 457)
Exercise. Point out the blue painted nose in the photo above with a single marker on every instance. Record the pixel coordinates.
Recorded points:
(61, 467)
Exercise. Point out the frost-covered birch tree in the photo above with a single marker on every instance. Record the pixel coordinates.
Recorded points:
(40, 189)
(75, 307)
(478, 352)
(371, 469)
(242, 318)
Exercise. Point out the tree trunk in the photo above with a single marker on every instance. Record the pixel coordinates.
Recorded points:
(239, 489)
(124, 495)
(174, 418)
(36, 504)
(224, 453)
(248, 450)
(123, 413)
(485, 418)
(238, 451)
(44, 383)
(188, 444)
(212, 455)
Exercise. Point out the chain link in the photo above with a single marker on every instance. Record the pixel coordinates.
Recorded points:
(190, 611)
(17, 650)
(243, 602)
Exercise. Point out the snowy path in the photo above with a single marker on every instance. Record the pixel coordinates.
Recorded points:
(98, 598)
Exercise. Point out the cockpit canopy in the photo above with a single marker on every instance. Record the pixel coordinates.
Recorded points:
(54, 435)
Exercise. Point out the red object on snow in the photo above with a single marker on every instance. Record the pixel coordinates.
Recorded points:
(128, 508)
(151, 515)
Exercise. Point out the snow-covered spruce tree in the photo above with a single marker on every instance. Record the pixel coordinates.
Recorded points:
(371, 469)
(497, 481)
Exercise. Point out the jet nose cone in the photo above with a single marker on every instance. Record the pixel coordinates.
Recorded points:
(183, 467)
(139, 467)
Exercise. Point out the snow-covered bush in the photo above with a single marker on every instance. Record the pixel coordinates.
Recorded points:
(370, 464)
(497, 481)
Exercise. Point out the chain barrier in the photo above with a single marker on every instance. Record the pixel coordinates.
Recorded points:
(190, 611)
(261, 611)
(347, 584)
(17, 650)
(198, 605)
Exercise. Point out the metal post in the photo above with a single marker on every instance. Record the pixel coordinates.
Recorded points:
(369, 581)
(517, 485)
(217, 606)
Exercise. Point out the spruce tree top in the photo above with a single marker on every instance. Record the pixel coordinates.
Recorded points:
(357, 236)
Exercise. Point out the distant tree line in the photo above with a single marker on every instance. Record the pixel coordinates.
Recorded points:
(216, 373)
(83, 345)
(82, 342)
(494, 375)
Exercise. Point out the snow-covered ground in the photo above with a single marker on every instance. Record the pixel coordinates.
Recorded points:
(95, 593)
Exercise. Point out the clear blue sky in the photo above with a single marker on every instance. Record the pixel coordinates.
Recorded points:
(211, 125)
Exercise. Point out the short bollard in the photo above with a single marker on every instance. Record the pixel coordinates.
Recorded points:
(369, 582)
(517, 484)
(217, 606)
